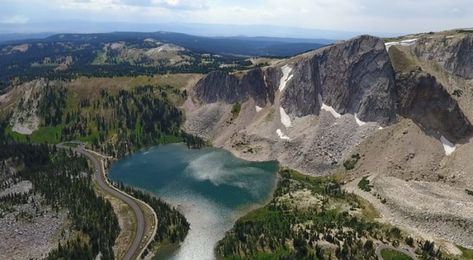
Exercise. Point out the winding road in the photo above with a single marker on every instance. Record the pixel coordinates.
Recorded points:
(134, 249)
(405, 250)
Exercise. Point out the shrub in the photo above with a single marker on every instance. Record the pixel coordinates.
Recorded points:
(364, 184)
(410, 241)
(351, 163)
(236, 110)
(457, 92)
(469, 192)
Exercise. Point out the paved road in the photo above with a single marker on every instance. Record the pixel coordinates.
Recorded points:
(133, 250)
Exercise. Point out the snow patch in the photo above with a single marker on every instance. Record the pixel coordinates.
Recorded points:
(359, 122)
(286, 71)
(448, 146)
(407, 42)
(258, 109)
(282, 135)
(285, 119)
(330, 110)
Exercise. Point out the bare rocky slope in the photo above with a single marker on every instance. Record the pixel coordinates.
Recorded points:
(452, 52)
(404, 106)
(342, 93)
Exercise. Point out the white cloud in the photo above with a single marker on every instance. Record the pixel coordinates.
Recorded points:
(181, 4)
(134, 4)
(15, 19)
(89, 5)
(369, 16)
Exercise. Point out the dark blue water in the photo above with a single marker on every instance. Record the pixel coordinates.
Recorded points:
(211, 187)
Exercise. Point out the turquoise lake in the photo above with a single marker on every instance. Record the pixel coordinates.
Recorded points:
(211, 187)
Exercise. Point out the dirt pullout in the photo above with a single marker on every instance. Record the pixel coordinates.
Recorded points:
(126, 221)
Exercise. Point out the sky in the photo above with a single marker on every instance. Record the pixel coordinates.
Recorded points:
(364, 16)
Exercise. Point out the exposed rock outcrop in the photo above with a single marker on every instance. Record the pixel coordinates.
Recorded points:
(454, 53)
(311, 111)
(281, 115)
(25, 119)
(220, 86)
(426, 101)
(353, 77)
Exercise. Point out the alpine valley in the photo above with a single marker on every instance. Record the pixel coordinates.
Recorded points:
(296, 148)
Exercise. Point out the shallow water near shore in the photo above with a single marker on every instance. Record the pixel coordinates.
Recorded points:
(211, 187)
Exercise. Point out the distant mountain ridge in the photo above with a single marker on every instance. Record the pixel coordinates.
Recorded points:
(136, 53)
(237, 45)
(201, 29)
(14, 37)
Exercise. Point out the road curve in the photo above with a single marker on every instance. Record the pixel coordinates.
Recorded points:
(99, 173)
(405, 250)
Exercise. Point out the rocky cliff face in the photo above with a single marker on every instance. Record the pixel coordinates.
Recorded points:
(398, 111)
(426, 101)
(454, 53)
(311, 111)
(220, 86)
(354, 77)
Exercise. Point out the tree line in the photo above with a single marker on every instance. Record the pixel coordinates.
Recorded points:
(118, 122)
(285, 229)
(172, 225)
(64, 181)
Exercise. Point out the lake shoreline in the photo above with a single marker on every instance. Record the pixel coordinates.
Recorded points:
(211, 188)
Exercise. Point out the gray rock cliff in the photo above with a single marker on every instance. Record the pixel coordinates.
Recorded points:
(426, 101)
(453, 53)
(219, 86)
(352, 77)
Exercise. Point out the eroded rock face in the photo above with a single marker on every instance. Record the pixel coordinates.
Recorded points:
(426, 101)
(219, 86)
(453, 53)
(353, 77)
(301, 96)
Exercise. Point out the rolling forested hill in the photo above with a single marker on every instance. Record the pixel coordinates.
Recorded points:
(65, 56)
